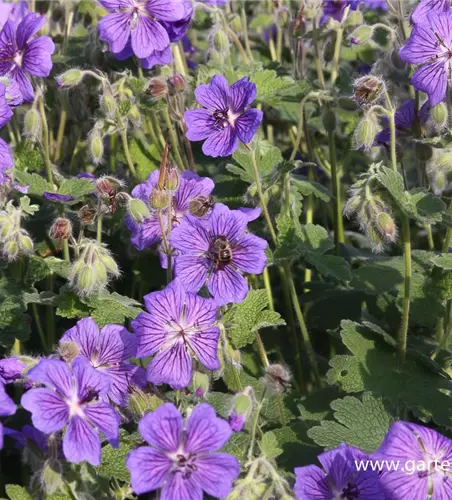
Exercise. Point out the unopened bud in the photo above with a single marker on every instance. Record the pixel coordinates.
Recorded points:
(172, 178)
(134, 114)
(140, 403)
(138, 210)
(32, 124)
(375, 238)
(96, 147)
(362, 34)
(25, 242)
(158, 88)
(235, 23)
(386, 226)
(70, 78)
(329, 120)
(68, 351)
(283, 17)
(61, 229)
(365, 133)
(444, 162)
(177, 83)
(200, 384)
(367, 89)
(221, 41)
(11, 249)
(277, 378)
(440, 115)
(158, 198)
(86, 215)
(355, 18)
(242, 407)
(109, 264)
(108, 105)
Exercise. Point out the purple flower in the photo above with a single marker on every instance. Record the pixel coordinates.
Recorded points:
(177, 30)
(6, 161)
(217, 252)
(177, 326)
(108, 350)
(338, 477)
(404, 120)
(225, 118)
(183, 460)
(237, 422)
(13, 94)
(420, 452)
(430, 45)
(215, 2)
(336, 8)
(160, 57)
(11, 370)
(29, 433)
(72, 398)
(7, 408)
(15, 12)
(425, 7)
(57, 197)
(149, 232)
(140, 22)
(86, 175)
(376, 4)
(5, 111)
(22, 53)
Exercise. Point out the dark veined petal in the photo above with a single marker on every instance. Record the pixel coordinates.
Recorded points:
(151, 333)
(81, 442)
(158, 57)
(441, 23)
(225, 222)
(227, 285)
(116, 4)
(7, 406)
(249, 254)
(205, 432)
(24, 84)
(148, 469)
(6, 159)
(422, 46)
(115, 29)
(311, 482)
(86, 335)
(28, 27)
(172, 366)
(190, 187)
(104, 418)
(222, 143)
(5, 111)
(215, 95)
(181, 487)
(53, 373)
(205, 345)
(216, 472)
(190, 237)
(37, 59)
(167, 304)
(425, 7)
(192, 270)
(199, 311)
(88, 379)
(432, 79)
(162, 428)
(49, 413)
(146, 234)
(247, 124)
(147, 37)
(115, 344)
(166, 10)
(200, 124)
(241, 94)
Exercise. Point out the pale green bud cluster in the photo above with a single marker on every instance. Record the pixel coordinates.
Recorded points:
(14, 241)
(93, 268)
(439, 170)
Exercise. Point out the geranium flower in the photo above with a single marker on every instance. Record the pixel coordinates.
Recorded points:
(10, 370)
(109, 351)
(178, 326)
(7, 408)
(225, 118)
(430, 45)
(338, 477)
(181, 460)
(425, 7)
(217, 252)
(420, 453)
(149, 232)
(71, 398)
(21, 53)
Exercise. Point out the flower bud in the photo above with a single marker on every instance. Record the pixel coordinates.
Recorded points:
(235, 23)
(141, 403)
(200, 384)
(375, 238)
(96, 147)
(110, 264)
(362, 34)
(61, 229)
(177, 83)
(440, 115)
(68, 351)
(108, 105)
(386, 226)
(283, 17)
(32, 124)
(70, 78)
(367, 89)
(365, 133)
(138, 210)
(329, 120)
(11, 250)
(172, 178)
(158, 198)
(25, 242)
(242, 406)
(355, 18)
(277, 378)
(221, 42)
(158, 88)
(134, 115)
(86, 215)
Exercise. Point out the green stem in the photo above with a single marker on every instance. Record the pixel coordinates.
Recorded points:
(318, 62)
(245, 35)
(100, 218)
(45, 140)
(50, 318)
(61, 128)
(34, 308)
(254, 426)
(66, 251)
(238, 44)
(337, 208)
(125, 146)
(173, 139)
(337, 54)
(279, 43)
(268, 287)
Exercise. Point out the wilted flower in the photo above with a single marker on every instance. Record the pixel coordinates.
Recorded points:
(70, 397)
(7, 408)
(183, 460)
(430, 46)
(367, 89)
(108, 350)
(158, 87)
(61, 229)
(177, 326)
(150, 232)
(217, 252)
(338, 477)
(277, 378)
(21, 54)
(11, 370)
(224, 119)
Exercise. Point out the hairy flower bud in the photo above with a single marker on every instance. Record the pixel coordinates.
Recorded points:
(283, 17)
(11, 250)
(108, 104)
(32, 124)
(440, 116)
(221, 41)
(355, 18)
(365, 132)
(386, 226)
(200, 383)
(158, 88)
(329, 120)
(242, 407)
(424, 152)
(86, 215)
(138, 210)
(367, 89)
(141, 403)
(361, 34)
(172, 179)
(134, 115)
(158, 198)
(70, 78)
(235, 22)
(61, 229)
(68, 351)
(177, 83)
(96, 147)
(25, 242)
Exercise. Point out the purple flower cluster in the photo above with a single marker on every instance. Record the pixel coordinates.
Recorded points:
(225, 118)
(144, 28)
(417, 456)
(182, 460)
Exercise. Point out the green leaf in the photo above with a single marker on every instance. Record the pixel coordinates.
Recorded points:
(262, 21)
(269, 445)
(419, 205)
(39, 268)
(245, 319)
(443, 261)
(359, 422)
(26, 207)
(69, 305)
(78, 188)
(238, 446)
(114, 459)
(145, 156)
(375, 368)
(109, 308)
(271, 87)
(37, 184)
(27, 158)
(310, 188)
(16, 492)
(14, 324)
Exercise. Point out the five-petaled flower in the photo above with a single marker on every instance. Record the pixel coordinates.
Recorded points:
(183, 461)
(22, 53)
(224, 119)
(430, 45)
(179, 325)
(338, 477)
(217, 252)
(109, 351)
(71, 398)
(424, 457)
